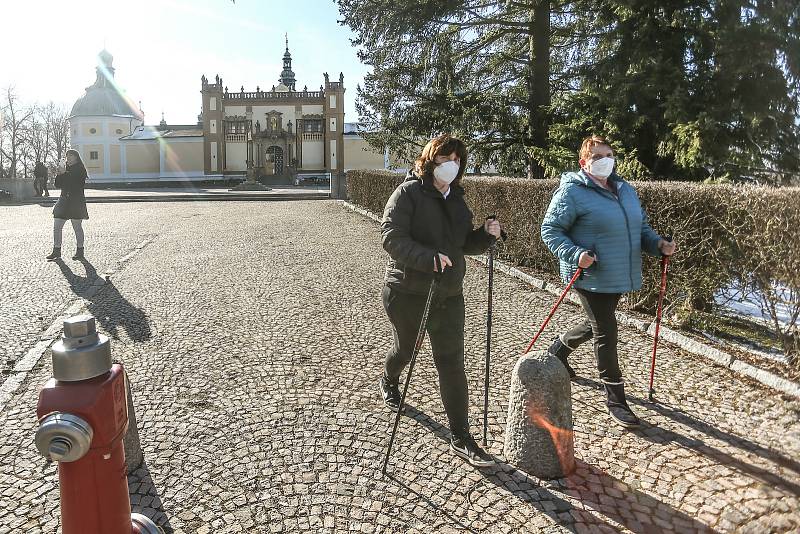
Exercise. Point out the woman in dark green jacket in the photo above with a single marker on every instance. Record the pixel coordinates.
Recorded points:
(426, 218)
(71, 204)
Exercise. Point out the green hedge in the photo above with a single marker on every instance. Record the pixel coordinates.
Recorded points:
(724, 232)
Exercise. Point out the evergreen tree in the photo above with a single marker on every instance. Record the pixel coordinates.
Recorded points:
(694, 89)
(685, 89)
(480, 69)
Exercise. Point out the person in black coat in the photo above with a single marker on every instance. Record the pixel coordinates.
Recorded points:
(40, 179)
(71, 204)
(426, 221)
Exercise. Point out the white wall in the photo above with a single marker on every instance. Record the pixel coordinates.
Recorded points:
(105, 137)
(312, 155)
(260, 112)
(235, 156)
(310, 109)
(234, 110)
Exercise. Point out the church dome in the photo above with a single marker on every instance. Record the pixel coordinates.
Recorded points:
(103, 98)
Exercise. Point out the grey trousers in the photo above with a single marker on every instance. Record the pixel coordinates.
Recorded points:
(58, 226)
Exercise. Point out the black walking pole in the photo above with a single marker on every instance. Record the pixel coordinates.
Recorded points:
(489, 333)
(488, 346)
(417, 345)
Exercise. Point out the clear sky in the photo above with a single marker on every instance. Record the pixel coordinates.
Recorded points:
(48, 49)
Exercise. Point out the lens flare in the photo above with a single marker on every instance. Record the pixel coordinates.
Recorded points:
(562, 437)
(109, 77)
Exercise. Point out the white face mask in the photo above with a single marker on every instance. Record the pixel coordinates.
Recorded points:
(446, 172)
(602, 167)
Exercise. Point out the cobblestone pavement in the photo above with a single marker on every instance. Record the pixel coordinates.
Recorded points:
(254, 335)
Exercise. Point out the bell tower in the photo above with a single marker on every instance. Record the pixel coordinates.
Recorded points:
(287, 75)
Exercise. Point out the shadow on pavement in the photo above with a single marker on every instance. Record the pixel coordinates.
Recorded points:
(659, 435)
(595, 489)
(420, 497)
(443, 434)
(111, 309)
(145, 498)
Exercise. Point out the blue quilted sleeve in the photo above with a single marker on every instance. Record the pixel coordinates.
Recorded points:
(558, 220)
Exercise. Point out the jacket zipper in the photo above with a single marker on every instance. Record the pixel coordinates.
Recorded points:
(627, 227)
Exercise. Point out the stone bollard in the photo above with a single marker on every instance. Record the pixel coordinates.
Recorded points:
(539, 436)
(133, 449)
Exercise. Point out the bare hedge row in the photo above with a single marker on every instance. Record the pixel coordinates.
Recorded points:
(725, 233)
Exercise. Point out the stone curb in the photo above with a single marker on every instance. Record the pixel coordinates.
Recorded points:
(232, 197)
(648, 327)
(27, 363)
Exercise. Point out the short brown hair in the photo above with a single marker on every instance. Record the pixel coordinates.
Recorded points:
(441, 145)
(589, 143)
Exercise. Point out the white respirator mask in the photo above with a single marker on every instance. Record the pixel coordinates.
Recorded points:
(602, 167)
(446, 172)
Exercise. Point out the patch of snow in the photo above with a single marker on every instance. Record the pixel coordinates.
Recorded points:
(746, 302)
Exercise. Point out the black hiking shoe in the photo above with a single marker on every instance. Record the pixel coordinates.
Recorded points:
(465, 446)
(55, 254)
(390, 392)
(79, 254)
(618, 407)
(561, 351)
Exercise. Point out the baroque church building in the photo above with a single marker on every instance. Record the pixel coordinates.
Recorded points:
(280, 132)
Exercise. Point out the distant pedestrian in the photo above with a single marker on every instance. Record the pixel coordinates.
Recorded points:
(595, 222)
(426, 219)
(71, 204)
(40, 179)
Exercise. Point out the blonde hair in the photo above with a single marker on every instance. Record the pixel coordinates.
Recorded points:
(441, 145)
(589, 143)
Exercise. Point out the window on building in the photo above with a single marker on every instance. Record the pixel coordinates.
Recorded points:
(213, 126)
(213, 103)
(93, 155)
(333, 101)
(312, 125)
(92, 130)
(333, 124)
(235, 127)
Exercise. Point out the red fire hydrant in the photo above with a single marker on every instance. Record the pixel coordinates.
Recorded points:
(83, 416)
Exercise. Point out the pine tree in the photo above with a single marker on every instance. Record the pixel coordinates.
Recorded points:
(480, 69)
(684, 89)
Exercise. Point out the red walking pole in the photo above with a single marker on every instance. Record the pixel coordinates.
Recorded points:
(555, 307)
(664, 264)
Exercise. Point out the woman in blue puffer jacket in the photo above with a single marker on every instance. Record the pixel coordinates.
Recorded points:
(595, 222)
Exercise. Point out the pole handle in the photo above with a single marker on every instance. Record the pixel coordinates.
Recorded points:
(438, 268)
(668, 239)
(503, 234)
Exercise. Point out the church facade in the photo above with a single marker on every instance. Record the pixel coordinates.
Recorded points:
(280, 132)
